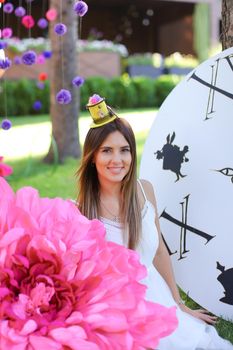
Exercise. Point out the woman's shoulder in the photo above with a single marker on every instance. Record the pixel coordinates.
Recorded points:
(146, 184)
(148, 189)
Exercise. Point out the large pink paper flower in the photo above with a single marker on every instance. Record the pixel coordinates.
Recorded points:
(5, 170)
(63, 287)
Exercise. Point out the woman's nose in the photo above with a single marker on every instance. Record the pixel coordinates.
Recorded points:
(116, 157)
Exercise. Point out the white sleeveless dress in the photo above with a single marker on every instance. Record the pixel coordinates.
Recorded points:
(192, 333)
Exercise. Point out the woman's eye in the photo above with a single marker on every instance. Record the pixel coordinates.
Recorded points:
(106, 150)
(125, 150)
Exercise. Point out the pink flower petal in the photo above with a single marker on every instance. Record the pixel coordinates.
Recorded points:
(109, 321)
(29, 327)
(45, 343)
(75, 318)
(11, 236)
(6, 191)
(5, 170)
(73, 337)
(63, 286)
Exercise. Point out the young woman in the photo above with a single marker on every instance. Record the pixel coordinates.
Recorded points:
(110, 191)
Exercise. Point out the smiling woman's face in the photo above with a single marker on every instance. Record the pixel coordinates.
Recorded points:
(113, 158)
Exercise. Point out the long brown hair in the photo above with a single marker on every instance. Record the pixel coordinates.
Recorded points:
(88, 184)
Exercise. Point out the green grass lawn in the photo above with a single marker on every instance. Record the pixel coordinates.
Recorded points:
(24, 147)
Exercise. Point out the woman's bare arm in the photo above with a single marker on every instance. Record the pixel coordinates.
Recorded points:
(162, 263)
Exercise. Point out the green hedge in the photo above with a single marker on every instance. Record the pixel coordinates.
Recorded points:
(164, 85)
(18, 97)
(122, 92)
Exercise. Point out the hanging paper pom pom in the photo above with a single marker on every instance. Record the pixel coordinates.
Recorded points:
(29, 58)
(78, 81)
(51, 14)
(5, 63)
(42, 23)
(7, 33)
(63, 96)
(6, 124)
(20, 11)
(80, 8)
(17, 60)
(40, 59)
(43, 76)
(3, 45)
(60, 29)
(40, 85)
(37, 105)
(94, 99)
(47, 54)
(28, 22)
(8, 8)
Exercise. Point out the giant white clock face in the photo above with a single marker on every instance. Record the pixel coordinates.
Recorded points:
(188, 157)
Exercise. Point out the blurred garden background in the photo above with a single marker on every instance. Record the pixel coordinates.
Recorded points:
(133, 53)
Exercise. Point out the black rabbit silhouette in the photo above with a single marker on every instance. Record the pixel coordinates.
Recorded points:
(172, 156)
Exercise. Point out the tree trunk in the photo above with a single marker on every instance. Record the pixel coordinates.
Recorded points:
(227, 24)
(63, 68)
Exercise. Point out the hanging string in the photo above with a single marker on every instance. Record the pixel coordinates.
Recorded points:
(19, 22)
(43, 8)
(7, 19)
(3, 18)
(64, 95)
(29, 11)
(5, 97)
(3, 78)
(80, 8)
(79, 28)
(61, 46)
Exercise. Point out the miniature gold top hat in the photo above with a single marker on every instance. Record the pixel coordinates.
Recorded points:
(100, 112)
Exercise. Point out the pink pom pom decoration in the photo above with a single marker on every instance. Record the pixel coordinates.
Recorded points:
(94, 99)
(40, 59)
(51, 14)
(28, 22)
(7, 33)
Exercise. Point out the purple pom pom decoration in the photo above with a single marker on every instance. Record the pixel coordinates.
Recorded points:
(37, 105)
(20, 11)
(3, 45)
(6, 124)
(80, 8)
(78, 81)
(8, 8)
(5, 64)
(29, 58)
(40, 85)
(60, 29)
(47, 54)
(17, 60)
(42, 23)
(94, 99)
(63, 97)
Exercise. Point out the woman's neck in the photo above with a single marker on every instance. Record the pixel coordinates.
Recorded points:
(110, 190)
(110, 199)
